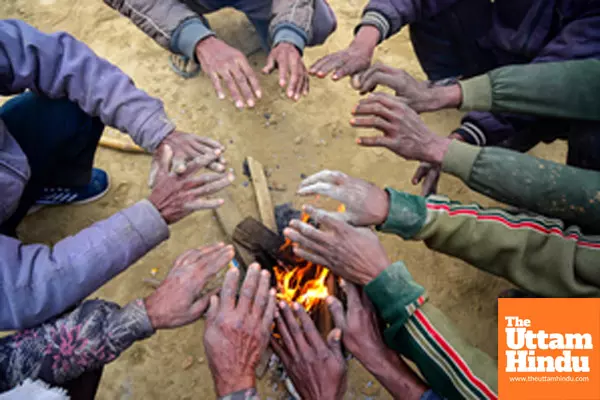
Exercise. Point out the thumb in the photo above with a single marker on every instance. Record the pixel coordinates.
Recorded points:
(337, 312)
(199, 307)
(213, 308)
(270, 65)
(153, 174)
(334, 343)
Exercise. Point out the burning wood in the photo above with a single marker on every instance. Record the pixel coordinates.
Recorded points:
(296, 279)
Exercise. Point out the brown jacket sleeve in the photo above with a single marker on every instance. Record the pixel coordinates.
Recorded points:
(159, 19)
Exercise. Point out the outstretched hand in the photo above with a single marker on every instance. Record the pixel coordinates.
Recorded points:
(404, 132)
(366, 204)
(177, 196)
(237, 333)
(179, 300)
(223, 63)
(287, 58)
(317, 369)
(355, 254)
(188, 149)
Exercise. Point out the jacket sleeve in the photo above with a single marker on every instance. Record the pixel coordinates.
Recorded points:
(171, 23)
(58, 65)
(389, 16)
(540, 186)
(417, 330)
(568, 89)
(536, 253)
(39, 282)
(292, 22)
(575, 41)
(91, 336)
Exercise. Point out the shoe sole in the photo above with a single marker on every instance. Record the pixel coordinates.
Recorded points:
(37, 207)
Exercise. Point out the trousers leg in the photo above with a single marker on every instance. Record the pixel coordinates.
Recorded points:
(324, 23)
(59, 140)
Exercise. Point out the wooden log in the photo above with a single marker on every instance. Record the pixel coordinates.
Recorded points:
(263, 196)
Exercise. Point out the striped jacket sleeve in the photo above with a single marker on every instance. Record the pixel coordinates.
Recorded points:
(539, 254)
(417, 330)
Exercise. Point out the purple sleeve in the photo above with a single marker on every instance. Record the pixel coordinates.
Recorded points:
(89, 337)
(58, 65)
(579, 39)
(399, 13)
(39, 282)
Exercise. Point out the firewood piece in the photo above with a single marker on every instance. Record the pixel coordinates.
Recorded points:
(229, 217)
(263, 196)
(122, 145)
(256, 237)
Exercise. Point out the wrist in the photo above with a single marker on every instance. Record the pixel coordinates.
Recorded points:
(447, 97)
(205, 43)
(436, 150)
(235, 384)
(367, 38)
(384, 208)
(154, 316)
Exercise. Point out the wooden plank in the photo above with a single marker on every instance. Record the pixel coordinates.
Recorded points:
(263, 196)
(229, 217)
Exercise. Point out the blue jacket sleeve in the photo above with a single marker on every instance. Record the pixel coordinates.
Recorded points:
(38, 282)
(58, 65)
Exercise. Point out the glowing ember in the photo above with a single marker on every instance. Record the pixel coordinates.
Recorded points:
(305, 283)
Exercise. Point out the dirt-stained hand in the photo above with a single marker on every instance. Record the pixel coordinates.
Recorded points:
(366, 204)
(429, 175)
(189, 148)
(236, 335)
(355, 254)
(179, 300)
(287, 58)
(404, 132)
(418, 95)
(317, 369)
(222, 62)
(356, 58)
(359, 325)
(177, 196)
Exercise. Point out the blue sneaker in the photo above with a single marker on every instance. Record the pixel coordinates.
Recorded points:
(98, 187)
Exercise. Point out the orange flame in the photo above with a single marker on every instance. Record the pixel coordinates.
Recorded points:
(305, 283)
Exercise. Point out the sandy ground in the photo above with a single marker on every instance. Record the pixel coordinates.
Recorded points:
(159, 368)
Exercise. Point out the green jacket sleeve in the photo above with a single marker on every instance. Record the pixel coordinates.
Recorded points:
(568, 89)
(536, 253)
(544, 187)
(418, 331)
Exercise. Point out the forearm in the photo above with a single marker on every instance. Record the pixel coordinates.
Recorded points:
(451, 366)
(530, 183)
(91, 336)
(292, 22)
(396, 376)
(40, 282)
(568, 89)
(71, 69)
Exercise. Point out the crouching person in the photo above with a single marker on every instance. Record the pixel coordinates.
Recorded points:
(97, 331)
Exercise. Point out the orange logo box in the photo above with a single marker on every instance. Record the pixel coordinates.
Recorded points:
(549, 349)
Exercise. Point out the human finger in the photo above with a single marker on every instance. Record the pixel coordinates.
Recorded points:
(352, 295)
(210, 265)
(373, 108)
(316, 67)
(194, 254)
(324, 176)
(283, 67)
(248, 289)
(374, 141)
(209, 142)
(261, 297)
(309, 329)
(324, 218)
(375, 122)
(270, 65)
(281, 352)
(286, 336)
(337, 312)
(270, 310)
(309, 231)
(203, 204)
(216, 82)
(329, 64)
(309, 256)
(213, 307)
(321, 188)
(305, 242)
(420, 173)
(430, 183)
(295, 330)
(293, 86)
(334, 344)
(230, 81)
(229, 289)
(212, 187)
(200, 306)
(347, 68)
(306, 88)
(252, 79)
(216, 166)
(242, 82)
